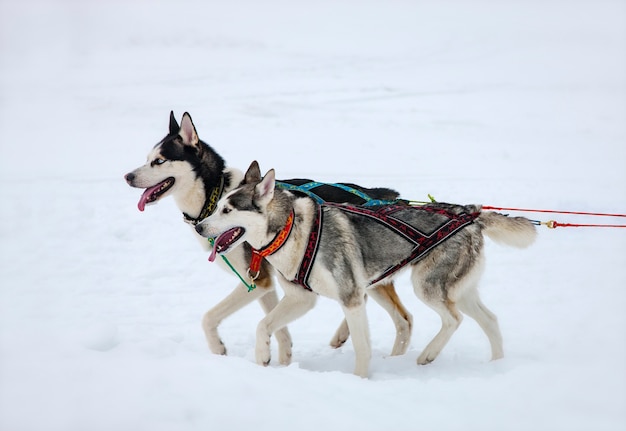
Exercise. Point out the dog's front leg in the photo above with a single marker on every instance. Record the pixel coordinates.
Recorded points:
(359, 330)
(268, 302)
(236, 300)
(296, 302)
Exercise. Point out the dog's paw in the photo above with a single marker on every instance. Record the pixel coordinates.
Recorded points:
(336, 343)
(425, 358)
(223, 352)
(341, 335)
(262, 352)
(284, 357)
(497, 356)
(284, 346)
(264, 360)
(217, 348)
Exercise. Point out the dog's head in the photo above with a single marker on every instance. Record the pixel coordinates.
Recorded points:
(179, 162)
(244, 214)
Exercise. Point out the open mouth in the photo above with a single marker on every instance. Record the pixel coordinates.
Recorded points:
(225, 240)
(154, 193)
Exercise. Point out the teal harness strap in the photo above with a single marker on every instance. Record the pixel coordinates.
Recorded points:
(307, 187)
(304, 188)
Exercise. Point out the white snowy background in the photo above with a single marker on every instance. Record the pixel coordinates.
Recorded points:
(505, 103)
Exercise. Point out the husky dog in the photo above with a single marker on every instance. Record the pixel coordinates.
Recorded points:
(341, 251)
(183, 166)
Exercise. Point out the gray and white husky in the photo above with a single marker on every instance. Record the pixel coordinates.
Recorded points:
(185, 167)
(342, 251)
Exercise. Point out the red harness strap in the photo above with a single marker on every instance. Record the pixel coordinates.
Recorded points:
(304, 271)
(423, 242)
(272, 247)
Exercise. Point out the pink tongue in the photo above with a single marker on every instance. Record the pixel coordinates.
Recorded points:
(143, 200)
(224, 238)
(213, 253)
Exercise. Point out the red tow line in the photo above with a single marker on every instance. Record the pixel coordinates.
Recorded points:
(553, 224)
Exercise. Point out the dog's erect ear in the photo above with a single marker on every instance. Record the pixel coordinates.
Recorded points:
(174, 127)
(188, 130)
(253, 174)
(264, 191)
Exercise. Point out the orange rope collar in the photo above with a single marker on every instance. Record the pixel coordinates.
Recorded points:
(271, 248)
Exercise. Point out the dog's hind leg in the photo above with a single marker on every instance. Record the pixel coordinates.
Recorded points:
(434, 292)
(385, 295)
(451, 318)
(296, 302)
(471, 305)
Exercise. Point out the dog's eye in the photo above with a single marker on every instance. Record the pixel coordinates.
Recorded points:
(158, 161)
(226, 210)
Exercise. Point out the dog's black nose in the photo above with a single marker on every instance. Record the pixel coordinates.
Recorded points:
(129, 177)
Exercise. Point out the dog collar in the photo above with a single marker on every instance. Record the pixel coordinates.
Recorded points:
(271, 248)
(209, 205)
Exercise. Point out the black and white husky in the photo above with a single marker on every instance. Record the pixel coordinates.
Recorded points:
(183, 166)
(342, 251)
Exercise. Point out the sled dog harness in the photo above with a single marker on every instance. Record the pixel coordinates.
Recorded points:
(281, 237)
(307, 189)
(384, 215)
(209, 205)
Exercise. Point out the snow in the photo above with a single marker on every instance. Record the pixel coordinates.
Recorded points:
(511, 103)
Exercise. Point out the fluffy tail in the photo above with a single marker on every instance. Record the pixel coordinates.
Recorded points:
(514, 231)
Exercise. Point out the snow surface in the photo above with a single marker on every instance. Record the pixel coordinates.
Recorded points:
(511, 103)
